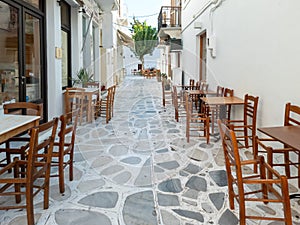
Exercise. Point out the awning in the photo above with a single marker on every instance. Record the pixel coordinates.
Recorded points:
(125, 39)
(74, 3)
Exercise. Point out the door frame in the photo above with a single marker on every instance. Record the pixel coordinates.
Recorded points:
(23, 9)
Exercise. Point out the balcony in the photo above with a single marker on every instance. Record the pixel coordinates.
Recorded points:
(108, 5)
(169, 22)
(169, 16)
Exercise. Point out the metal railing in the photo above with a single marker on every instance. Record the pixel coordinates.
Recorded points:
(169, 16)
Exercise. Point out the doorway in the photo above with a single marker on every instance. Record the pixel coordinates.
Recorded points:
(202, 62)
(22, 60)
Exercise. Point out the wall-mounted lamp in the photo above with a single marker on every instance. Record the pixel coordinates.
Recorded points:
(82, 10)
(197, 25)
(59, 2)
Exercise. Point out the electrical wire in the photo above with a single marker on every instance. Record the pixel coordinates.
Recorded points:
(144, 15)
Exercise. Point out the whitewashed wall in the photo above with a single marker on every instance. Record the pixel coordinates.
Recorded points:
(55, 98)
(257, 51)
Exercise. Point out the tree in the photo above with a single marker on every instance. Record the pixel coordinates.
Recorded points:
(145, 39)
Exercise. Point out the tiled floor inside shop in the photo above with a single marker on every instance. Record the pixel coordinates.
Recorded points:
(139, 170)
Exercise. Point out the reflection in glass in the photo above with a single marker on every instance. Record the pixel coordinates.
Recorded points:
(32, 58)
(64, 46)
(9, 65)
(35, 3)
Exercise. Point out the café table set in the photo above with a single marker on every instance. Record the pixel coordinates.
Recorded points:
(287, 135)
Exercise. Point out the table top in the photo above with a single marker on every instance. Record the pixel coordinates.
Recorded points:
(223, 100)
(15, 124)
(288, 135)
(87, 90)
(201, 92)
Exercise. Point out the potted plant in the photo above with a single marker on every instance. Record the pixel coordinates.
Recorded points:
(83, 77)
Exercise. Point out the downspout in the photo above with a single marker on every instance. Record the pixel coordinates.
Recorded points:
(217, 4)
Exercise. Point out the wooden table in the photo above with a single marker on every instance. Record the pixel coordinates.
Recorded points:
(222, 102)
(201, 92)
(89, 93)
(12, 125)
(288, 135)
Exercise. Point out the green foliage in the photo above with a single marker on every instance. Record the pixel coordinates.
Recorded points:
(83, 77)
(145, 39)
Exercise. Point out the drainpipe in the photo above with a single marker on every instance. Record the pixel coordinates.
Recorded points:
(216, 3)
(212, 38)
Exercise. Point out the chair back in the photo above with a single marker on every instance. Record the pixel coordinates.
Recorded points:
(40, 154)
(228, 93)
(41, 147)
(68, 125)
(292, 115)
(250, 110)
(94, 84)
(192, 83)
(253, 187)
(197, 85)
(220, 91)
(177, 106)
(23, 108)
(203, 86)
(230, 148)
(74, 98)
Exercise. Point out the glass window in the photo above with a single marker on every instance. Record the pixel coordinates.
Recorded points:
(32, 57)
(65, 15)
(9, 60)
(64, 46)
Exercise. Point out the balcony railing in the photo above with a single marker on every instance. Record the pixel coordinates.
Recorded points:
(169, 16)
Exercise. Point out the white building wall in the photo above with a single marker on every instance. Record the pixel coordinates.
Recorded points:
(54, 70)
(256, 51)
(54, 64)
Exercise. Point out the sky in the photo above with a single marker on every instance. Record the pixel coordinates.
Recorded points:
(144, 10)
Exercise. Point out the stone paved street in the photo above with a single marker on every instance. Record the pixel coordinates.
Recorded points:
(139, 170)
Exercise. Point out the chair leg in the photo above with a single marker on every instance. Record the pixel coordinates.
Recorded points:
(242, 211)
(286, 162)
(206, 130)
(29, 204)
(71, 166)
(7, 155)
(61, 176)
(46, 188)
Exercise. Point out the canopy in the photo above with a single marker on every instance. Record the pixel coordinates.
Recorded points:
(125, 39)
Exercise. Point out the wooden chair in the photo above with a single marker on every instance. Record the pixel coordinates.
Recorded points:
(76, 100)
(203, 86)
(112, 101)
(37, 167)
(228, 93)
(16, 144)
(246, 127)
(192, 84)
(63, 151)
(213, 111)
(179, 105)
(272, 147)
(166, 94)
(95, 98)
(195, 122)
(105, 104)
(253, 187)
